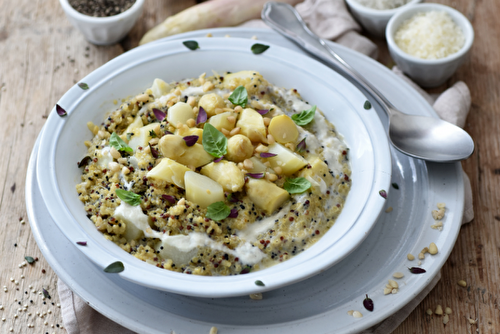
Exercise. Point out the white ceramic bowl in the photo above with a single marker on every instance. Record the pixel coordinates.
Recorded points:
(103, 30)
(61, 146)
(428, 72)
(374, 21)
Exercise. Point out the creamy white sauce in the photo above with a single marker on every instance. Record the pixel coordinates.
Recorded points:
(105, 158)
(126, 185)
(253, 230)
(186, 245)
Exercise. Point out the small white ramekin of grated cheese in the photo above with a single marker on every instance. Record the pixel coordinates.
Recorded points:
(429, 42)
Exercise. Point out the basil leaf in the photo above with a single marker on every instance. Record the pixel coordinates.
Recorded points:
(115, 267)
(239, 96)
(191, 45)
(304, 117)
(29, 259)
(218, 211)
(128, 197)
(83, 85)
(214, 142)
(118, 143)
(258, 48)
(367, 105)
(297, 185)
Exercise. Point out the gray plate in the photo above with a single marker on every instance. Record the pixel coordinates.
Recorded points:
(318, 304)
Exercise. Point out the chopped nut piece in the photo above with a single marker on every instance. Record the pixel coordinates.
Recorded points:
(447, 310)
(438, 226)
(421, 256)
(387, 291)
(441, 205)
(357, 314)
(462, 283)
(446, 318)
(191, 123)
(213, 330)
(433, 249)
(425, 250)
(438, 215)
(472, 321)
(207, 86)
(394, 291)
(256, 296)
(429, 311)
(439, 310)
(393, 283)
(410, 257)
(398, 275)
(350, 312)
(389, 209)
(142, 98)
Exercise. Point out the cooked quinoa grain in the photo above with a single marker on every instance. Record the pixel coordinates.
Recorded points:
(174, 182)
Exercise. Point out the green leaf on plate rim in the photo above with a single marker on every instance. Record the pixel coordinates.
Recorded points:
(258, 48)
(115, 267)
(367, 105)
(259, 283)
(395, 185)
(191, 45)
(29, 259)
(83, 85)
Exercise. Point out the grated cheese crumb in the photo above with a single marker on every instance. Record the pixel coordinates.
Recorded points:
(430, 35)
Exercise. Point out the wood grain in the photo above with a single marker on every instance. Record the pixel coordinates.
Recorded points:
(43, 56)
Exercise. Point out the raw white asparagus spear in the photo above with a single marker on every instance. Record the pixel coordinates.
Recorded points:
(210, 14)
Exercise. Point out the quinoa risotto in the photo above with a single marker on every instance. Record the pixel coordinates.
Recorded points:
(214, 176)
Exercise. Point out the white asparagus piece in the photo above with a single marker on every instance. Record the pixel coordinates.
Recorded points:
(210, 14)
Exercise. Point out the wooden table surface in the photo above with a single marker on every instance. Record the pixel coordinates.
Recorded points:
(42, 56)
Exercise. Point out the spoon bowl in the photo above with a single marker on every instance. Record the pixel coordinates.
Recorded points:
(426, 138)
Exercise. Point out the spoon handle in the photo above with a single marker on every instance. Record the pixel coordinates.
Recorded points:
(286, 20)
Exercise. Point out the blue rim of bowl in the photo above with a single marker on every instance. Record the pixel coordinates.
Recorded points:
(107, 19)
(428, 7)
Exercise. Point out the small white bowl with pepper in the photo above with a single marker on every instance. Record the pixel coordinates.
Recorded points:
(103, 22)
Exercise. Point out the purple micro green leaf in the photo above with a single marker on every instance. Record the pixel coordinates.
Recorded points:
(85, 161)
(368, 304)
(202, 116)
(234, 213)
(81, 243)
(301, 147)
(246, 270)
(60, 111)
(46, 293)
(218, 159)
(169, 198)
(383, 193)
(160, 115)
(263, 111)
(256, 175)
(154, 152)
(190, 140)
(416, 270)
(83, 85)
(267, 155)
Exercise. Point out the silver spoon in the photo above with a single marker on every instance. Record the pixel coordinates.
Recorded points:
(421, 137)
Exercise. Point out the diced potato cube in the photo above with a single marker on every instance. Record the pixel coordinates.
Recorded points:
(160, 88)
(170, 171)
(209, 102)
(141, 136)
(225, 173)
(175, 148)
(176, 248)
(315, 174)
(259, 167)
(183, 132)
(266, 195)
(220, 121)
(252, 125)
(289, 161)
(202, 190)
(180, 113)
(239, 148)
(283, 129)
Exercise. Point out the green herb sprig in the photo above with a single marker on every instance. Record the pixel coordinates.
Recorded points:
(239, 96)
(118, 143)
(218, 211)
(297, 185)
(214, 141)
(128, 197)
(304, 117)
